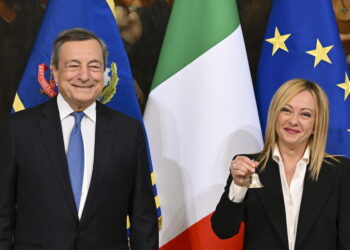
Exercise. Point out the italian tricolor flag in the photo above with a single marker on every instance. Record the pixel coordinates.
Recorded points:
(201, 111)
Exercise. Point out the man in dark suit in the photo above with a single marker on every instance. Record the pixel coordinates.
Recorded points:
(72, 169)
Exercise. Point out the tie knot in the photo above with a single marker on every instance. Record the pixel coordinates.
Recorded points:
(78, 116)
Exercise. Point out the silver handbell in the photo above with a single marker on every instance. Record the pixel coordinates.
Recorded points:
(255, 181)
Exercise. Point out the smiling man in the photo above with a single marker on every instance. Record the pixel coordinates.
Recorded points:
(72, 169)
(79, 72)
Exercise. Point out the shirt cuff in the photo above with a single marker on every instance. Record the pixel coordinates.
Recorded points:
(237, 193)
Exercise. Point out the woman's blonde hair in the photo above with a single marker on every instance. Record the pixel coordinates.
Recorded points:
(317, 141)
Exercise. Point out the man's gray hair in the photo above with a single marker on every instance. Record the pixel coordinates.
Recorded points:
(75, 34)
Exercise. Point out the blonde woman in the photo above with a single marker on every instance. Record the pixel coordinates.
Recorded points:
(305, 201)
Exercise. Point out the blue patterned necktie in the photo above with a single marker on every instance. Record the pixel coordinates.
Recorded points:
(75, 157)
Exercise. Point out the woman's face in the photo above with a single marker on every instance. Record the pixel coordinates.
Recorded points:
(296, 121)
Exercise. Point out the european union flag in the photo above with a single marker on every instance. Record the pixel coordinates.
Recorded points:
(302, 41)
(94, 15)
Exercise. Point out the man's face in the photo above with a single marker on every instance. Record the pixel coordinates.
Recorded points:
(79, 75)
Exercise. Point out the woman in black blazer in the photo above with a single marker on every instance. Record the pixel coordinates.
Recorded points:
(305, 201)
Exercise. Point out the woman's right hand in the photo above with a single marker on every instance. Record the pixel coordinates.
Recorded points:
(242, 169)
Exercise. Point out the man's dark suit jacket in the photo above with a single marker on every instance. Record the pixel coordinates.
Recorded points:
(37, 209)
(324, 217)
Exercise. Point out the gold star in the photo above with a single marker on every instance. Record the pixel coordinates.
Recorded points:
(278, 41)
(320, 53)
(346, 86)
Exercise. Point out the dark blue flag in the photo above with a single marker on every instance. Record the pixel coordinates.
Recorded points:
(97, 16)
(302, 41)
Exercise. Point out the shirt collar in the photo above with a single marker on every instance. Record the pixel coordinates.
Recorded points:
(65, 109)
(276, 155)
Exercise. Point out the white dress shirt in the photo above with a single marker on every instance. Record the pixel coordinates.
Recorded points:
(88, 126)
(291, 194)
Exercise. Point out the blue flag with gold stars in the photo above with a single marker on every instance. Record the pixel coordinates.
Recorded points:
(302, 41)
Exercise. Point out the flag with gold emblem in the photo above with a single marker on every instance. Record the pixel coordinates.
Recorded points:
(302, 41)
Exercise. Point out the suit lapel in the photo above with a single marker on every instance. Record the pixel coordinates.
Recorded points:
(271, 199)
(315, 195)
(103, 146)
(52, 133)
